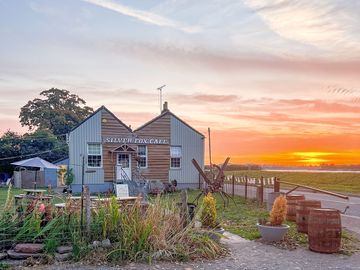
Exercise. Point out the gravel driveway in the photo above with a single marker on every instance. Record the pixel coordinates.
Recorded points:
(245, 255)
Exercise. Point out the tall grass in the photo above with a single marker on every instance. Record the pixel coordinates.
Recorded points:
(136, 232)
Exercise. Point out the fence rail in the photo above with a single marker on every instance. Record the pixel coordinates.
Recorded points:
(250, 187)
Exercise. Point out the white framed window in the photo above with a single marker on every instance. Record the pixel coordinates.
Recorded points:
(175, 157)
(142, 154)
(94, 155)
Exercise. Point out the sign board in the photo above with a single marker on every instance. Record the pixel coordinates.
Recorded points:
(122, 190)
(135, 140)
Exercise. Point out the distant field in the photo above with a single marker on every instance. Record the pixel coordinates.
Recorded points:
(341, 182)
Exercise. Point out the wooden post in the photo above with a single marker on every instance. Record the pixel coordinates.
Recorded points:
(233, 185)
(199, 181)
(262, 190)
(87, 209)
(246, 187)
(184, 208)
(276, 185)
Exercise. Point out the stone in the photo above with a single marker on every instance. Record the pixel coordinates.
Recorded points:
(29, 248)
(106, 243)
(96, 244)
(61, 257)
(22, 256)
(64, 249)
(3, 256)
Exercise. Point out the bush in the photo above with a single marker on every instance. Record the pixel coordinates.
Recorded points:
(208, 214)
(278, 212)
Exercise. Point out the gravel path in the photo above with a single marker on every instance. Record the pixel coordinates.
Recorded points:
(245, 255)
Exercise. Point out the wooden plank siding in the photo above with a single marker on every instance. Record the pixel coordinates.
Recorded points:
(110, 127)
(158, 155)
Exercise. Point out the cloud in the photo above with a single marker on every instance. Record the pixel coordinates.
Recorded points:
(225, 62)
(326, 25)
(144, 16)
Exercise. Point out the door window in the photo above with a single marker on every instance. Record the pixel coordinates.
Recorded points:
(123, 160)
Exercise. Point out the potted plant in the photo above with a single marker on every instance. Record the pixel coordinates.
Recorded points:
(275, 229)
(208, 218)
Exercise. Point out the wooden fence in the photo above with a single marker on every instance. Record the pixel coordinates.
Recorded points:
(250, 187)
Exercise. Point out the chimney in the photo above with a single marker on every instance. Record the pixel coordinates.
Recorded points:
(165, 106)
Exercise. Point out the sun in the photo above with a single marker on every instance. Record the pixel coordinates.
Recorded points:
(312, 158)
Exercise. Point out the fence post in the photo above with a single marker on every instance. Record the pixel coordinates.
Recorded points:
(246, 186)
(276, 185)
(262, 189)
(233, 185)
(199, 181)
(184, 207)
(87, 209)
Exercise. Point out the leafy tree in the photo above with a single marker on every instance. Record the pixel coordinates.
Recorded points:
(40, 143)
(58, 112)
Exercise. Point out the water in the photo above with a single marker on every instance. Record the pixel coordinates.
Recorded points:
(309, 171)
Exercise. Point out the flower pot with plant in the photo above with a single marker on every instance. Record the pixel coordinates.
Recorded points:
(208, 218)
(275, 230)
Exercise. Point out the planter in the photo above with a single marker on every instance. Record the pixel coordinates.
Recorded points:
(215, 233)
(272, 233)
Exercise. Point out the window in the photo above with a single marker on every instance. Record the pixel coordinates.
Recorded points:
(175, 157)
(142, 154)
(94, 155)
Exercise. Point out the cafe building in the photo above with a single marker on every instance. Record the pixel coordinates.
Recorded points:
(160, 150)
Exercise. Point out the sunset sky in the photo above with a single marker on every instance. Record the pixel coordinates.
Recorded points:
(277, 81)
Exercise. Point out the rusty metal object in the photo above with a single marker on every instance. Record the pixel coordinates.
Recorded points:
(214, 182)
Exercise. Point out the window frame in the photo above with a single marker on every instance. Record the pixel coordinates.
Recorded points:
(180, 158)
(143, 156)
(88, 155)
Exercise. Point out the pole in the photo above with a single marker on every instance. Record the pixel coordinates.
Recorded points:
(233, 185)
(210, 149)
(82, 192)
(160, 93)
(160, 100)
(35, 184)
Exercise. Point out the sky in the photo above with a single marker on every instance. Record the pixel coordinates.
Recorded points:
(278, 82)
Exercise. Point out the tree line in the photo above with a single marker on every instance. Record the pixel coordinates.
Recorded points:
(48, 119)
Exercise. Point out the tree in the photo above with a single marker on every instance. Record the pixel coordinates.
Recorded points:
(42, 143)
(59, 112)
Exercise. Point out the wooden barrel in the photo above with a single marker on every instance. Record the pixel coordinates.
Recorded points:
(291, 206)
(302, 213)
(324, 230)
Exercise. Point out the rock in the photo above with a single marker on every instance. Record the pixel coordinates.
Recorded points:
(106, 243)
(62, 256)
(64, 249)
(96, 244)
(3, 256)
(29, 248)
(21, 256)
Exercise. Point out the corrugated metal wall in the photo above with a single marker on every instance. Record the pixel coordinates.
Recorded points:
(87, 132)
(192, 147)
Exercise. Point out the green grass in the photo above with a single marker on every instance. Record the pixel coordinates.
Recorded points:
(241, 219)
(340, 182)
(3, 194)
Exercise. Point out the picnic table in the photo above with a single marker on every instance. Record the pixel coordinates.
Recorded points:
(75, 202)
(34, 192)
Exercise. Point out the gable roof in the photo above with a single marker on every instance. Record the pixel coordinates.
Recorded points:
(95, 112)
(167, 112)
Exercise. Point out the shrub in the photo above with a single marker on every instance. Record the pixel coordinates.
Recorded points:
(278, 212)
(208, 214)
